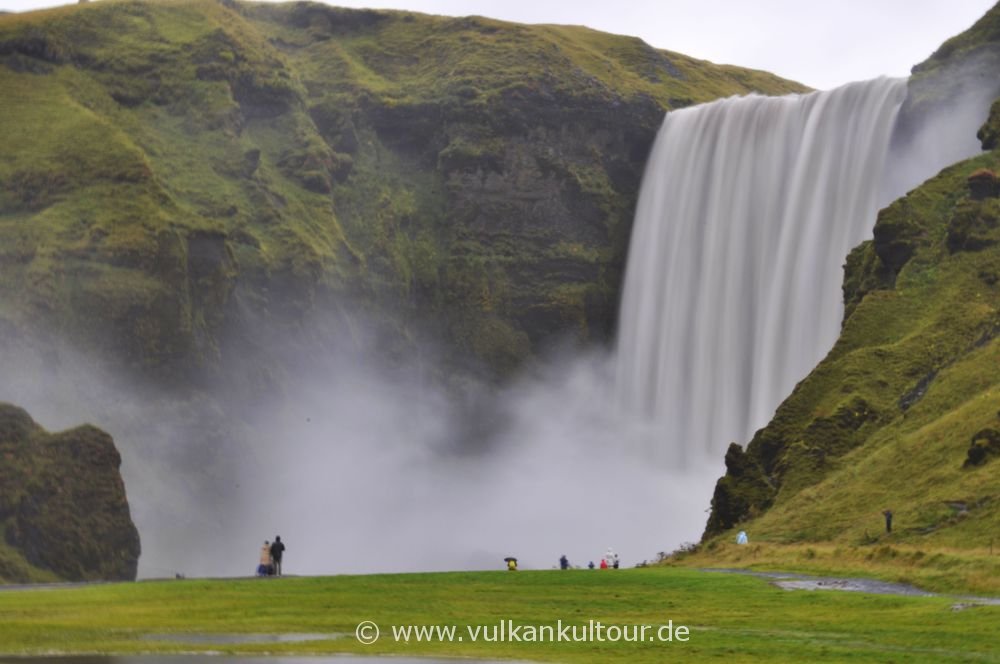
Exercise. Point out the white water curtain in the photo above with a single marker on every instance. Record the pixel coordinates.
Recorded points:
(732, 294)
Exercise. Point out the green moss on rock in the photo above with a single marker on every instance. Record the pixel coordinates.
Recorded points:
(743, 491)
(63, 510)
(974, 226)
(989, 133)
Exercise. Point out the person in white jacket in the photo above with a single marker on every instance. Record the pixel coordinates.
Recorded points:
(264, 567)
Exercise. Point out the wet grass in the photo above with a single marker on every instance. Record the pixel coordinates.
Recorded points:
(956, 571)
(730, 617)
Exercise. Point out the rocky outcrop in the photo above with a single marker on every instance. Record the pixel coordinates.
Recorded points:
(63, 507)
(983, 184)
(974, 225)
(744, 491)
(989, 133)
(985, 446)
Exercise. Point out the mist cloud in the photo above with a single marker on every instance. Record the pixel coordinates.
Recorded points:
(362, 465)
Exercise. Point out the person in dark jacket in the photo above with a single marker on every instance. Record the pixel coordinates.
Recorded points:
(277, 549)
(888, 520)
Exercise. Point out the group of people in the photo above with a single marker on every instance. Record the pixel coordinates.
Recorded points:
(270, 557)
(609, 561)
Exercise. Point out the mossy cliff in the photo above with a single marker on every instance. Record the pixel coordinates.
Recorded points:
(63, 510)
(904, 412)
(170, 166)
(963, 67)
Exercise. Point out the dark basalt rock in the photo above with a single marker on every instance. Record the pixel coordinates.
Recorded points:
(896, 236)
(989, 133)
(911, 398)
(974, 226)
(744, 489)
(62, 501)
(985, 446)
(982, 184)
(38, 45)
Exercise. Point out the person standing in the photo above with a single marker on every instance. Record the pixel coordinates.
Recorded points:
(888, 520)
(264, 566)
(277, 549)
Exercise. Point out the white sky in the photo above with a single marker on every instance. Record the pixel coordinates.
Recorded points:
(821, 44)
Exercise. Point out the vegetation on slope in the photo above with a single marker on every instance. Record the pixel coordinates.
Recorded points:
(170, 165)
(902, 415)
(910, 384)
(984, 35)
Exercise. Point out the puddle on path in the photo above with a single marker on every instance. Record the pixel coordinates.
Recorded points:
(238, 639)
(793, 581)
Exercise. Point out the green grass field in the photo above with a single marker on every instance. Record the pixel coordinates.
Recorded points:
(731, 617)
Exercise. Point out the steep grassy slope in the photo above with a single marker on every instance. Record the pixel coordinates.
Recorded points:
(904, 413)
(63, 510)
(172, 167)
(911, 382)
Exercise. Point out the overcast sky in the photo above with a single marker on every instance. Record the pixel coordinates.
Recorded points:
(821, 44)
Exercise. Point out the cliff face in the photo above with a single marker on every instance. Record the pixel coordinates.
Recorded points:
(171, 166)
(63, 510)
(902, 413)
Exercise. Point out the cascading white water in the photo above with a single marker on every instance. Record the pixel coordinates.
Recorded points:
(747, 211)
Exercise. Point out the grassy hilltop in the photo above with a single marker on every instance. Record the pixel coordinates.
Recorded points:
(173, 167)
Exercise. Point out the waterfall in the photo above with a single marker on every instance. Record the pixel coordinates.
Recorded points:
(732, 293)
